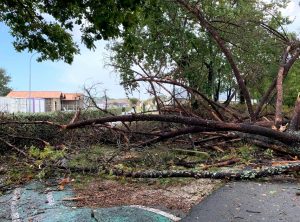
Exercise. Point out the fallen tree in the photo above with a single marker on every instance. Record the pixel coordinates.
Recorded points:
(149, 53)
(208, 125)
(228, 174)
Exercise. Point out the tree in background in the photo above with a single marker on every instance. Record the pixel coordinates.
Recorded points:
(292, 86)
(4, 81)
(202, 46)
(133, 101)
(167, 43)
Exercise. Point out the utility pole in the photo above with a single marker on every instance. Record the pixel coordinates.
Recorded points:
(29, 92)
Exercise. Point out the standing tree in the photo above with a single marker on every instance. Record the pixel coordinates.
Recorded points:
(167, 43)
(4, 81)
(200, 46)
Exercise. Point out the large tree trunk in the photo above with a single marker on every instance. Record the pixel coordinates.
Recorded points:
(240, 175)
(195, 121)
(218, 87)
(210, 78)
(237, 175)
(279, 99)
(242, 97)
(271, 88)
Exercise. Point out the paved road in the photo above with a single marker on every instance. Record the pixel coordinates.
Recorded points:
(250, 201)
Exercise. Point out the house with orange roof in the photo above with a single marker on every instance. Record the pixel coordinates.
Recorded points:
(49, 100)
(71, 101)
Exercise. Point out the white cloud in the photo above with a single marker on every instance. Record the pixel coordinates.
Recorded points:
(292, 11)
(88, 68)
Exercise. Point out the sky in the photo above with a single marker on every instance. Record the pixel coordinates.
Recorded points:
(87, 68)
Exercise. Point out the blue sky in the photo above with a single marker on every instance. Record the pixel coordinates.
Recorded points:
(87, 68)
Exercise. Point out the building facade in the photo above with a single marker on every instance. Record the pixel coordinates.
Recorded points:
(41, 101)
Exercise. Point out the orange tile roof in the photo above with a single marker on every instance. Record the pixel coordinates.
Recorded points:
(72, 96)
(35, 94)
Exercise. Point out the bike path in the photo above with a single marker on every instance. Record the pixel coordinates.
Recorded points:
(251, 202)
(36, 202)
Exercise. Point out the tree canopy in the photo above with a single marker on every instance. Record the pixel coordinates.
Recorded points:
(168, 42)
(46, 25)
(205, 47)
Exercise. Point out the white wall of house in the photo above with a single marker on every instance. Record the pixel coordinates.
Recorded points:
(15, 105)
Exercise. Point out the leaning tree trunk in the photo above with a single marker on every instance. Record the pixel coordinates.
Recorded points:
(197, 12)
(271, 88)
(279, 99)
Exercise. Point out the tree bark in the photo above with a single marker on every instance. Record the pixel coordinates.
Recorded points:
(271, 88)
(218, 87)
(192, 121)
(242, 97)
(229, 98)
(210, 78)
(240, 175)
(172, 134)
(279, 99)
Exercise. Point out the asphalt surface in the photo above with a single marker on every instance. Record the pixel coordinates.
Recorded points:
(234, 202)
(250, 201)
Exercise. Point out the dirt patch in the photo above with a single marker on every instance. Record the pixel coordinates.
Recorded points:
(179, 197)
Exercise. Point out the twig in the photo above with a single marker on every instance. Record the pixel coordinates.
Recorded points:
(73, 198)
(75, 117)
(14, 147)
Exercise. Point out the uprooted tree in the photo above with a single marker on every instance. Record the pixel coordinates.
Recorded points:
(183, 49)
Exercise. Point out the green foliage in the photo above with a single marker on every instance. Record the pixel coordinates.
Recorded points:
(58, 117)
(133, 101)
(90, 156)
(268, 153)
(45, 25)
(291, 85)
(156, 158)
(51, 134)
(48, 153)
(156, 37)
(246, 152)
(4, 81)
(44, 158)
(168, 42)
